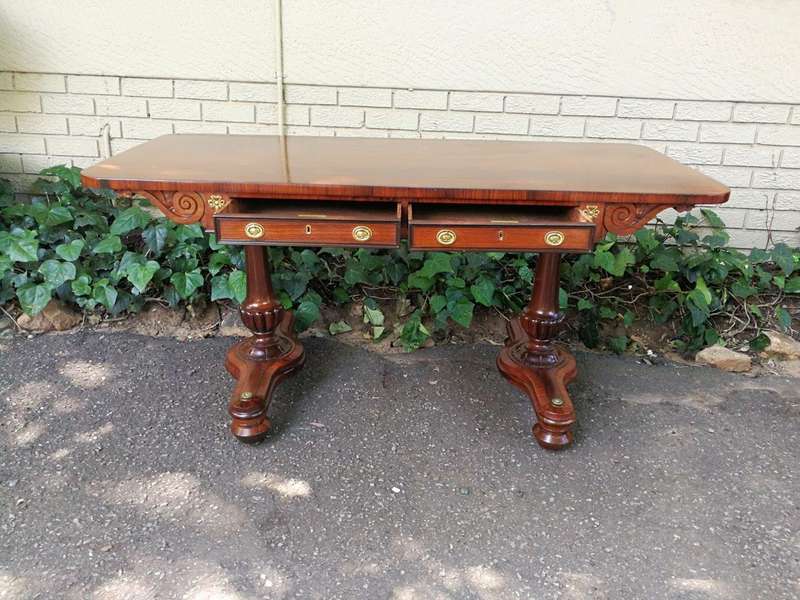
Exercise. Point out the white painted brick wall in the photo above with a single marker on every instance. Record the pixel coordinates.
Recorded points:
(476, 101)
(48, 119)
(420, 99)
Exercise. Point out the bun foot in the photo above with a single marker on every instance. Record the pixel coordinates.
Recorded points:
(251, 431)
(551, 439)
(544, 382)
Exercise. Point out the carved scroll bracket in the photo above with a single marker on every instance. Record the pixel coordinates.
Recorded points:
(624, 219)
(187, 207)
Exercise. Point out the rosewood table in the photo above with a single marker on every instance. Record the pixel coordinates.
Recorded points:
(544, 197)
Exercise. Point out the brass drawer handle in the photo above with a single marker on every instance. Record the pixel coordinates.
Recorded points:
(362, 233)
(253, 230)
(554, 238)
(446, 237)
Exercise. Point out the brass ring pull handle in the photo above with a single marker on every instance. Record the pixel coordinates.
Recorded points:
(253, 230)
(446, 237)
(362, 233)
(554, 238)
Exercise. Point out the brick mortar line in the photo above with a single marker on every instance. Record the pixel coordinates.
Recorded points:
(789, 103)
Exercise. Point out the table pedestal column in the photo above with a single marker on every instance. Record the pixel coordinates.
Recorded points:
(262, 360)
(536, 364)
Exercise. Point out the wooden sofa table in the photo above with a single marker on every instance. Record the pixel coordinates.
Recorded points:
(441, 195)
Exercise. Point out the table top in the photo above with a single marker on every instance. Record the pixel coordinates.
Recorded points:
(469, 170)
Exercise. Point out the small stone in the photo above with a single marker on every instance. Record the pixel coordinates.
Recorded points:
(724, 358)
(789, 368)
(781, 345)
(232, 326)
(396, 490)
(54, 317)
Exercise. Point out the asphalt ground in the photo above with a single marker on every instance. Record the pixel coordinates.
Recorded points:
(388, 476)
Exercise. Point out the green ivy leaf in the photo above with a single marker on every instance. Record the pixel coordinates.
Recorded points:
(461, 312)
(186, 283)
(701, 286)
(604, 259)
(414, 333)
(305, 314)
(19, 245)
(70, 251)
(185, 233)
(759, 343)
(782, 255)
(618, 344)
(563, 299)
(108, 245)
(793, 285)
(155, 237)
(80, 286)
(607, 313)
(712, 218)
(666, 284)
(57, 272)
(783, 318)
(237, 281)
(665, 259)
(217, 261)
(437, 262)
(415, 280)
(70, 175)
(140, 274)
(220, 290)
(34, 297)
(742, 289)
(647, 240)
(373, 316)
(438, 302)
(584, 304)
(104, 293)
(130, 219)
(483, 291)
(339, 327)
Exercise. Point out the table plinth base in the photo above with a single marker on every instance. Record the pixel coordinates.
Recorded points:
(544, 381)
(256, 377)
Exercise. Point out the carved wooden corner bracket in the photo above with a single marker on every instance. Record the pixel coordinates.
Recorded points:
(186, 207)
(624, 219)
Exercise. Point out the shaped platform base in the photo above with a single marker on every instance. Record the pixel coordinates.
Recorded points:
(545, 385)
(256, 378)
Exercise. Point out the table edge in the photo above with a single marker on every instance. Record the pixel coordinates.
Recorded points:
(340, 191)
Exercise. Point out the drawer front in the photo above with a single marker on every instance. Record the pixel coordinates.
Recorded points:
(531, 238)
(288, 232)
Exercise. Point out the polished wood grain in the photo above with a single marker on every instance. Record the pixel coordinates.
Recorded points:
(378, 169)
(534, 362)
(307, 232)
(259, 362)
(497, 195)
(311, 224)
(498, 228)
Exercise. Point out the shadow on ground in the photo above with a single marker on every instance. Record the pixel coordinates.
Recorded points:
(410, 476)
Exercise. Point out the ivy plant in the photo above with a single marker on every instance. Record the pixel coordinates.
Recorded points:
(111, 255)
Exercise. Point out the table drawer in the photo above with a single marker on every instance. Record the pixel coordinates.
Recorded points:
(498, 228)
(310, 224)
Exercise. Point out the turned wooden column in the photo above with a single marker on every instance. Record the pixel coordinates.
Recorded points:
(541, 318)
(534, 362)
(261, 311)
(262, 360)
